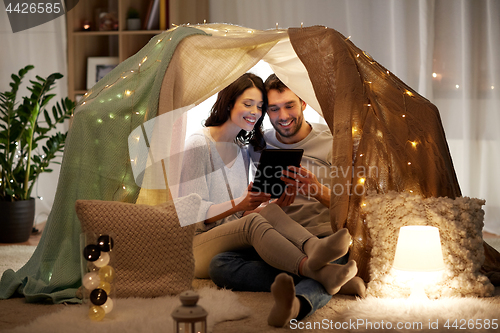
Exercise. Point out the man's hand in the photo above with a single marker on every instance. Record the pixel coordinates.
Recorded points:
(306, 184)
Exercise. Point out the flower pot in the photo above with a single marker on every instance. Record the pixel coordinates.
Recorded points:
(133, 23)
(16, 220)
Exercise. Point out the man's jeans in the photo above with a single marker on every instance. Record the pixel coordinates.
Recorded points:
(245, 271)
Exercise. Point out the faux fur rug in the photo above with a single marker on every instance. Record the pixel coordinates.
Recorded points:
(136, 315)
(400, 315)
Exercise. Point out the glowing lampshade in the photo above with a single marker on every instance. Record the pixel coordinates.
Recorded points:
(418, 249)
(419, 259)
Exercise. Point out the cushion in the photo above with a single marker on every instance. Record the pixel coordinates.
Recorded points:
(460, 223)
(152, 252)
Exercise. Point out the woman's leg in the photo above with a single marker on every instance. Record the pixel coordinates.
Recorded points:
(251, 230)
(319, 251)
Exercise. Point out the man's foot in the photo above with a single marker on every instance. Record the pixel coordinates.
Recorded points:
(355, 286)
(286, 305)
(331, 276)
(322, 251)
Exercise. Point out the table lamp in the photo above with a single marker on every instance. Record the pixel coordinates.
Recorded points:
(418, 261)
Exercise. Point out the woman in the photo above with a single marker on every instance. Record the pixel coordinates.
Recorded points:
(216, 165)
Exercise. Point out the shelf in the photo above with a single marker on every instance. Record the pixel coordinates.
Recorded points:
(119, 43)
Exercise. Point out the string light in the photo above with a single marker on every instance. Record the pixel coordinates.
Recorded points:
(414, 144)
(361, 180)
(409, 93)
(434, 75)
(457, 86)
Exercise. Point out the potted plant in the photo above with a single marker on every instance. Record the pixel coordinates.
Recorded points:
(29, 141)
(133, 19)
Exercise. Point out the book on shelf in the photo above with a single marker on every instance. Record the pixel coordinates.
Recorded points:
(163, 14)
(154, 16)
(148, 15)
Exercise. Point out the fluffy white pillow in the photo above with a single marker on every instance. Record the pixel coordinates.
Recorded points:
(460, 223)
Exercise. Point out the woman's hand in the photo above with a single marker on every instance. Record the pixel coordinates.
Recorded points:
(251, 200)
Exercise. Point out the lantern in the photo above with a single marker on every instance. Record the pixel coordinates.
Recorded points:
(189, 317)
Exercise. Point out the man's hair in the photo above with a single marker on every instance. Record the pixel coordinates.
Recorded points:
(272, 82)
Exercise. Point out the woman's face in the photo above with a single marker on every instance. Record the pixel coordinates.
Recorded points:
(247, 109)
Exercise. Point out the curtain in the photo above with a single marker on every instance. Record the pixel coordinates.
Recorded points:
(447, 50)
(44, 47)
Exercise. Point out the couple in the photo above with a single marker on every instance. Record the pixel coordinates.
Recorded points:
(245, 242)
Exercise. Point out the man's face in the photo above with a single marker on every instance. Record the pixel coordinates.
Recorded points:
(286, 115)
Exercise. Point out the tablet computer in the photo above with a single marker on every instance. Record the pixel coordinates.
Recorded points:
(269, 171)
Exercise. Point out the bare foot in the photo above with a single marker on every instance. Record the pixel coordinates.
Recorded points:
(322, 251)
(286, 305)
(355, 286)
(331, 276)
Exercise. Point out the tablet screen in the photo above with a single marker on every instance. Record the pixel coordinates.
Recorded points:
(269, 171)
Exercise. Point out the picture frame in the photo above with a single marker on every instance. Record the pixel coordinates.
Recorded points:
(98, 67)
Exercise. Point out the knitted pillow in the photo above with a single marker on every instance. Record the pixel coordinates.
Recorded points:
(460, 223)
(153, 254)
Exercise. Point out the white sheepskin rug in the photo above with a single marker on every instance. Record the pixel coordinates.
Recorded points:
(137, 315)
(401, 315)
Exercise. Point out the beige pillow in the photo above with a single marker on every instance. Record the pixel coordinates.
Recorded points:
(460, 223)
(153, 254)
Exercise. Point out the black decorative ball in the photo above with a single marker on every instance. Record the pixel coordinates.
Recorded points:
(98, 296)
(105, 243)
(91, 252)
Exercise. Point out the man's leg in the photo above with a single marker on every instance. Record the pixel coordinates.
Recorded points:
(243, 270)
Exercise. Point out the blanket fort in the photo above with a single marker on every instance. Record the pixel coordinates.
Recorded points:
(378, 123)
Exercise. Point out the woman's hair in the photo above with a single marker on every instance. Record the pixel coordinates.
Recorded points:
(221, 110)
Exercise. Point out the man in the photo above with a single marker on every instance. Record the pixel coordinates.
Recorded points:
(294, 297)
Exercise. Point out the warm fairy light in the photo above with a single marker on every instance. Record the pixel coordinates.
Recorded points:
(128, 92)
(403, 116)
(361, 180)
(354, 131)
(99, 121)
(457, 86)
(348, 38)
(434, 75)
(357, 55)
(124, 187)
(112, 116)
(159, 41)
(368, 104)
(360, 155)
(413, 143)
(144, 59)
(409, 163)
(492, 87)
(409, 93)
(388, 72)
